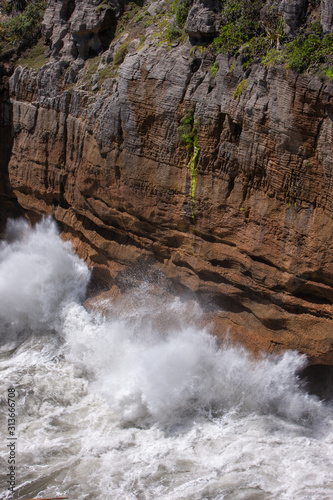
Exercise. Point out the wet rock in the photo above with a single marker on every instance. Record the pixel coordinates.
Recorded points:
(319, 381)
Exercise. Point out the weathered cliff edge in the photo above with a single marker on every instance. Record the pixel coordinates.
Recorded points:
(253, 236)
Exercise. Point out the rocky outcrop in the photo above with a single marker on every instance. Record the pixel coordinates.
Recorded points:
(293, 14)
(204, 20)
(326, 16)
(79, 29)
(243, 218)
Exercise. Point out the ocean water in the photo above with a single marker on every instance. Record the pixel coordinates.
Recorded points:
(140, 403)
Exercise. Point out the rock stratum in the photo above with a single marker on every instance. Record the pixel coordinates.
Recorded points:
(241, 214)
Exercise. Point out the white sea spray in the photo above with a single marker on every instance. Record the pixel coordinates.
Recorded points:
(119, 407)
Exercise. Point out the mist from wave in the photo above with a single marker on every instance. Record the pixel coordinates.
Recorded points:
(141, 402)
(39, 274)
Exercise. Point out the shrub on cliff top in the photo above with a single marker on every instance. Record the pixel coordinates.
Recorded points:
(310, 49)
(243, 30)
(249, 31)
(182, 8)
(24, 26)
(240, 23)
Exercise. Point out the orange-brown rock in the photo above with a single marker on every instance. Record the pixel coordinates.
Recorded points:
(255, 242)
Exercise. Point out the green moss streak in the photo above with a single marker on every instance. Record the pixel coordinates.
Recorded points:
(240, 89)
(188, 136)
(213, 70)
(193, 171)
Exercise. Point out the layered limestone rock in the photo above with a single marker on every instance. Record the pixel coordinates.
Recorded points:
(8, 202)
(243, 218)
(293, 14)
(326, 16)
(203, 21)
(79, 28)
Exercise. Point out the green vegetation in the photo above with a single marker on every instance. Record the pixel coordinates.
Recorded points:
(121, 53)
(193, 168)
(328, 72)
(105, 73)
(11, 7)
(132, 14)
(307, 51)
(240, 89)
(23, 26)
(173, 32)
(188, 137)
(240, 24)
(148, 21)
(181, 9)
(168, 23)
(139, 17)
(293, 195)
(175, 28)
(244, 32)
(109, 71)
(185, 129)
(142, 42)
(90, 69)
(35, 57)
(213, 70)
(103, 6)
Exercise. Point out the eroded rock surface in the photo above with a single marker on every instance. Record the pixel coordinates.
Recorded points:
(203, 21)
(327, 16)
(79, 28)
(293, 14)
(253, 236)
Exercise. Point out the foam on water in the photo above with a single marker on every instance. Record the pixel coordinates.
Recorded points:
(123, 408)
(39, 273)
(151, 378)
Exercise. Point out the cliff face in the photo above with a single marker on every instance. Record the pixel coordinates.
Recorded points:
(221, 179)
